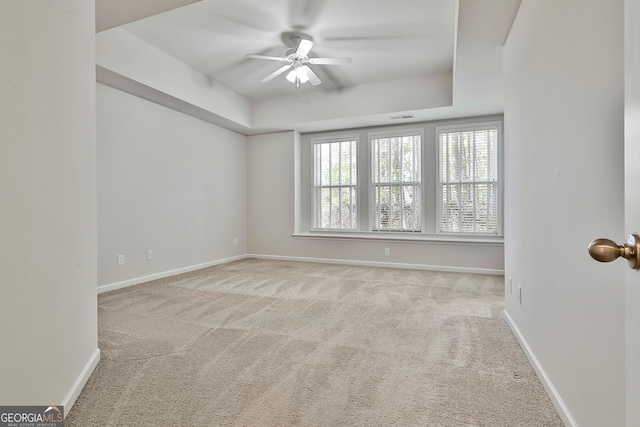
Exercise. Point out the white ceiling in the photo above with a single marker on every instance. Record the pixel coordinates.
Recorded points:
(387, 40)
(113, 13)
(433, 58)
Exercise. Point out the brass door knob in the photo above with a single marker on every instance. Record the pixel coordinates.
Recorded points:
(605, 250)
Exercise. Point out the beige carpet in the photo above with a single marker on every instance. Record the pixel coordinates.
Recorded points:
(273, 343)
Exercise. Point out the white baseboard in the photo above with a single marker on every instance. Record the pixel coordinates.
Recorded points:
(557, 401)
(162, 275)
(449, 269)
(80, 382)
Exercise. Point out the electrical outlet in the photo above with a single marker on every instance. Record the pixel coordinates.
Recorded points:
(387, 252)
(235, 242)
(520, 295)
(149, 255)
(120, 259)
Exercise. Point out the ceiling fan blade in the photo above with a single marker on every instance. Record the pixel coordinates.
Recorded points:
(330, 61)
(304, 47)
(270, 58)
(276, 73)
(313, 78)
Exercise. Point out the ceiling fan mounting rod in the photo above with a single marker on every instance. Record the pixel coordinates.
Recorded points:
(292, 38)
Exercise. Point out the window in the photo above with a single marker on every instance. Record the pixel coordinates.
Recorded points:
(439, 181)
(396, 182)
(335, 178)
(468, 179)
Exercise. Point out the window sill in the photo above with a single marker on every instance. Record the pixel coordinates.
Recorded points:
(403, 237)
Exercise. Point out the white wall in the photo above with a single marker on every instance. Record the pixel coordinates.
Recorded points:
(48, 314)
(346, 105)
(169, 183)
(121, 52)
(273, 206)
(564, 187)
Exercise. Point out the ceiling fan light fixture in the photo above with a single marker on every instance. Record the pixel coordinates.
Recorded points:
(302, 75)
(297, 74)
(291, 76)
(296, 58)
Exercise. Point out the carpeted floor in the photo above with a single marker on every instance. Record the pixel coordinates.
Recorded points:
(274, 343)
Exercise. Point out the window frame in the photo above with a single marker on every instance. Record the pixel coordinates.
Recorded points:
(304, 202)
(466, 127)
(394, 133)
(314, 188)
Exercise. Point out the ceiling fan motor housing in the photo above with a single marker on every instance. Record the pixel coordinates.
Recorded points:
(291, 39)
(296, 56)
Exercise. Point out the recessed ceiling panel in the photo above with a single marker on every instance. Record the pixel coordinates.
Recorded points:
(385, 40)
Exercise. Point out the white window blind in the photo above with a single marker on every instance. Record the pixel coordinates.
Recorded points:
(468, 181)
(396, 182)
(335, 178)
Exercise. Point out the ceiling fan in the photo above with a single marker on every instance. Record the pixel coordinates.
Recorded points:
(297, 61)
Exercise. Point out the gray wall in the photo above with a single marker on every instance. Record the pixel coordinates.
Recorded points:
(429, 165)
(273, 162)
(564, 187)
(169, 183)
(48, 313)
